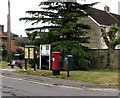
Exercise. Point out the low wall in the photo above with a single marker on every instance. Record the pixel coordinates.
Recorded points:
(100, 60)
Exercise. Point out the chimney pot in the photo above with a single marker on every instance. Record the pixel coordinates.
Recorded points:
(20, 35)
(106, 8)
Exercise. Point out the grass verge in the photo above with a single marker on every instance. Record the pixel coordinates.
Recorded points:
(108, 78)
(3, 64)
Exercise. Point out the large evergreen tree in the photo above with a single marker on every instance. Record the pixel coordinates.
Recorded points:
(63, 31)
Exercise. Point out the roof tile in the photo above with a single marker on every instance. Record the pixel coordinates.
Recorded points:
(103, 17)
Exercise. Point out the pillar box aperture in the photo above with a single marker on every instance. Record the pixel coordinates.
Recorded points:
(56, 63)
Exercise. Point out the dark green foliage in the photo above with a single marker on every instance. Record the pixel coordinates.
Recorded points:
(116, 42)
(21, 44)
(31, 36)
(15, 35)
(111, 37)
(4, 50)
(63, 31)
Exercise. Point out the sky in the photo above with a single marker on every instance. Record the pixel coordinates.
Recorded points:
(19, 7)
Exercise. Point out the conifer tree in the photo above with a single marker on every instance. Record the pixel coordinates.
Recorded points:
(63, 31)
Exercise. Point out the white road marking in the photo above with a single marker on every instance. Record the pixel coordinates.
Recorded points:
(93, 89)
(7, 69)
(28, 81)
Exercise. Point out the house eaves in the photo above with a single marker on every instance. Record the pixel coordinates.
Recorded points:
(94, 20)
(97, 22)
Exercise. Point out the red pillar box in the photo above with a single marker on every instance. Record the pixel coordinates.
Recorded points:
(55, 63)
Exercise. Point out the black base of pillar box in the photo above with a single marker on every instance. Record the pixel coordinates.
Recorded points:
(55, 72)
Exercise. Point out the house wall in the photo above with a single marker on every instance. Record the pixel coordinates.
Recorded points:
(14, 46)
(100, 60)
(3, 39)
(13, 43)
(94, 33)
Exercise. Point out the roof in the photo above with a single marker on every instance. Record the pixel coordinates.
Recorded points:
(103, 17)
(3, 35)
(21, 39)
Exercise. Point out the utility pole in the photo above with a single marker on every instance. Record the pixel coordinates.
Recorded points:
(9, 34)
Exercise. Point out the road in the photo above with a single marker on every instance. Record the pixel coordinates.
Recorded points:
(19, 87)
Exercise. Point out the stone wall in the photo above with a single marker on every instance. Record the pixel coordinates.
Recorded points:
(94, 33)
(100, 60)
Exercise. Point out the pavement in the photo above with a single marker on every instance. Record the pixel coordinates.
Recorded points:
(59, 82)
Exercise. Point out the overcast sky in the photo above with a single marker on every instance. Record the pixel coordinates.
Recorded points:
(19, 7)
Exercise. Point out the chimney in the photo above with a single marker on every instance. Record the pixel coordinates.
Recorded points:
(2, 28)
(106, 8)
(20, 35)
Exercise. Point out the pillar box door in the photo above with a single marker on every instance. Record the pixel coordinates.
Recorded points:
(68, 62)
(55, 60)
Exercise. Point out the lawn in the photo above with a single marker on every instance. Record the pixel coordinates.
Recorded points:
(108, 78)
(3, 64)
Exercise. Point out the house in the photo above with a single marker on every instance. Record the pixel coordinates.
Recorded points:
(96, 20)
(21, 39)
(14, 41)
(4, 39)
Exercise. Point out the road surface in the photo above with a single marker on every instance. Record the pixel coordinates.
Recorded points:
(19, 87)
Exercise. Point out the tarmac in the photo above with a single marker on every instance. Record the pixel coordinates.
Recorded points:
(57, 82)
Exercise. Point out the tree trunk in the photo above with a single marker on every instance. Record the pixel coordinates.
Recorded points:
(110, 59)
